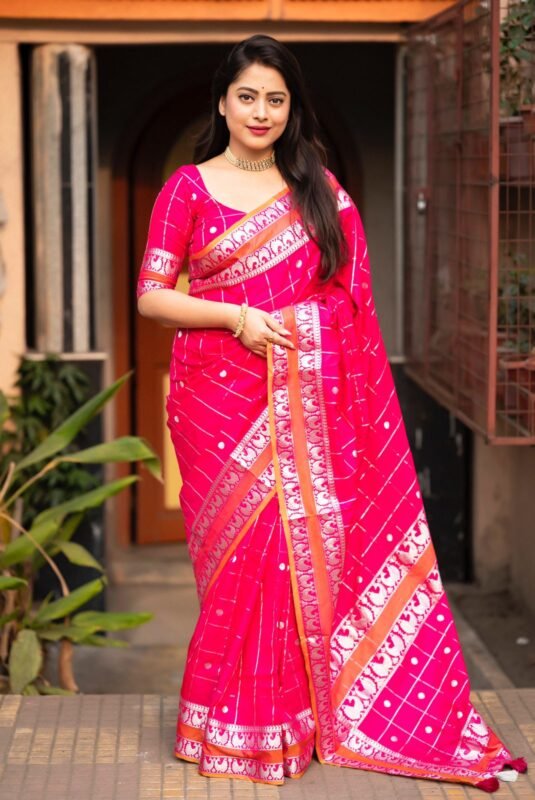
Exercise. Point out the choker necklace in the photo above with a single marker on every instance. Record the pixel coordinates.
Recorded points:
(244, 163)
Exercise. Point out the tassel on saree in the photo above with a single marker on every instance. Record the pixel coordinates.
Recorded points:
(514, 767)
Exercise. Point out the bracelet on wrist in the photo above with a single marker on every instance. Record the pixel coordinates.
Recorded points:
(241, 320)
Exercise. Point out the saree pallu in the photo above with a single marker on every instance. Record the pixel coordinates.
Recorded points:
(323, 620)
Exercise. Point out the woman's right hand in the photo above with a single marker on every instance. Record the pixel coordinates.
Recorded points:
(259, 327)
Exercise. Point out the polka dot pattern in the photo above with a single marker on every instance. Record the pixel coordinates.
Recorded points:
(410, 684)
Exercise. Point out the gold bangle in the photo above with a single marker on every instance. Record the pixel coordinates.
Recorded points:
(239, 329)
(241, 320)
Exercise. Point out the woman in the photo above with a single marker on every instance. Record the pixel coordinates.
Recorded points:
(323, 620)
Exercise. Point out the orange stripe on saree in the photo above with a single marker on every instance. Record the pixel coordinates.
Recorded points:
(323, 621)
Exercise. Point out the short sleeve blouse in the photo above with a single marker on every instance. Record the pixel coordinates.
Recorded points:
(185, 218)
(169, 235)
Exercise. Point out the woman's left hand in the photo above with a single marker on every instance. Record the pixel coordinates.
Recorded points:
(260, 328)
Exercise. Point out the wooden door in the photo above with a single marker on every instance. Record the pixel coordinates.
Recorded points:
(158, 517)
(158, 144)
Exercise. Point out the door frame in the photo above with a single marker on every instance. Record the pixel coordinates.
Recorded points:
(158, 117)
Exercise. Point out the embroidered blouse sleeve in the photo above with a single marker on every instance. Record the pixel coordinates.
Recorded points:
(169, 234)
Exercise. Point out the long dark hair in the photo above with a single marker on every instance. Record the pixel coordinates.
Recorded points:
(299, 151)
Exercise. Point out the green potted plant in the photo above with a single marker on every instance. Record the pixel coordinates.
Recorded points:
(517, 58)
(49, 390)
(28, 628)
(517, 90)
(516, 335)
(516, 307)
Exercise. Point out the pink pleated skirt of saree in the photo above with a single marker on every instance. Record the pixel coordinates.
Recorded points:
(323, 622)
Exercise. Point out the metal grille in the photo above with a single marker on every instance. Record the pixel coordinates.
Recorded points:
(470, 186)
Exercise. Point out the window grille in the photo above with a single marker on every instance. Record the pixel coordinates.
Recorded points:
(469, 211)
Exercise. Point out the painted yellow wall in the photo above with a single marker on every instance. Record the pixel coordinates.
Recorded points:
(12, 313)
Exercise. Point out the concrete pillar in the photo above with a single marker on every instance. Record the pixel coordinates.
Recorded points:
(64, 149)
(522, 530)
(12, 283)
(493, 499)
(503, 519)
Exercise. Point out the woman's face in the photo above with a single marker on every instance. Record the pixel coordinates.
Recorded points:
(260, 99)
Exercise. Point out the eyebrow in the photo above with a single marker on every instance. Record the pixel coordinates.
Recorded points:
(255, 91)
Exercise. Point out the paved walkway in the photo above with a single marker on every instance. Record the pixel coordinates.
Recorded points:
(119, 747)
(160, 579)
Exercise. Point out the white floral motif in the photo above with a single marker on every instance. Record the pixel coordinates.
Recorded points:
(378, 754)
(375, 675)
(236, 236)
(254, 444)
(159, 261)
(145, 285)
(344, 200)
(244, 739)
(223, 264)
(244, 455)
(326, 502)
(206, 564)
(247, 452)
(475, 731)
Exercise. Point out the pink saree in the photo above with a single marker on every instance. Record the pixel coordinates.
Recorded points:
(323, 621)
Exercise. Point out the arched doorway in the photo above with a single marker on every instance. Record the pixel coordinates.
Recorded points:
(150, 513)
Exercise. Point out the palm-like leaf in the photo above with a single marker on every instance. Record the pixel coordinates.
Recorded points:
(90, 499)
(66, 432)
(58, 609)
(126, 448)
(46, 534)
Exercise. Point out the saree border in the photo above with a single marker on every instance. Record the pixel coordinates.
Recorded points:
(271, 201)
(308, 321)
(376, 632)
(158, 270)
(250, 245)
(243, 488)
(238, 512)
(231, 549)
(260, 257)
(314, 645)
(352, 628)
(261, 753)
(286, 381)
(245, 453)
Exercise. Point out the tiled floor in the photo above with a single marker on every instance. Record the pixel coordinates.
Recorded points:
(119, 747)
(106, 745)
